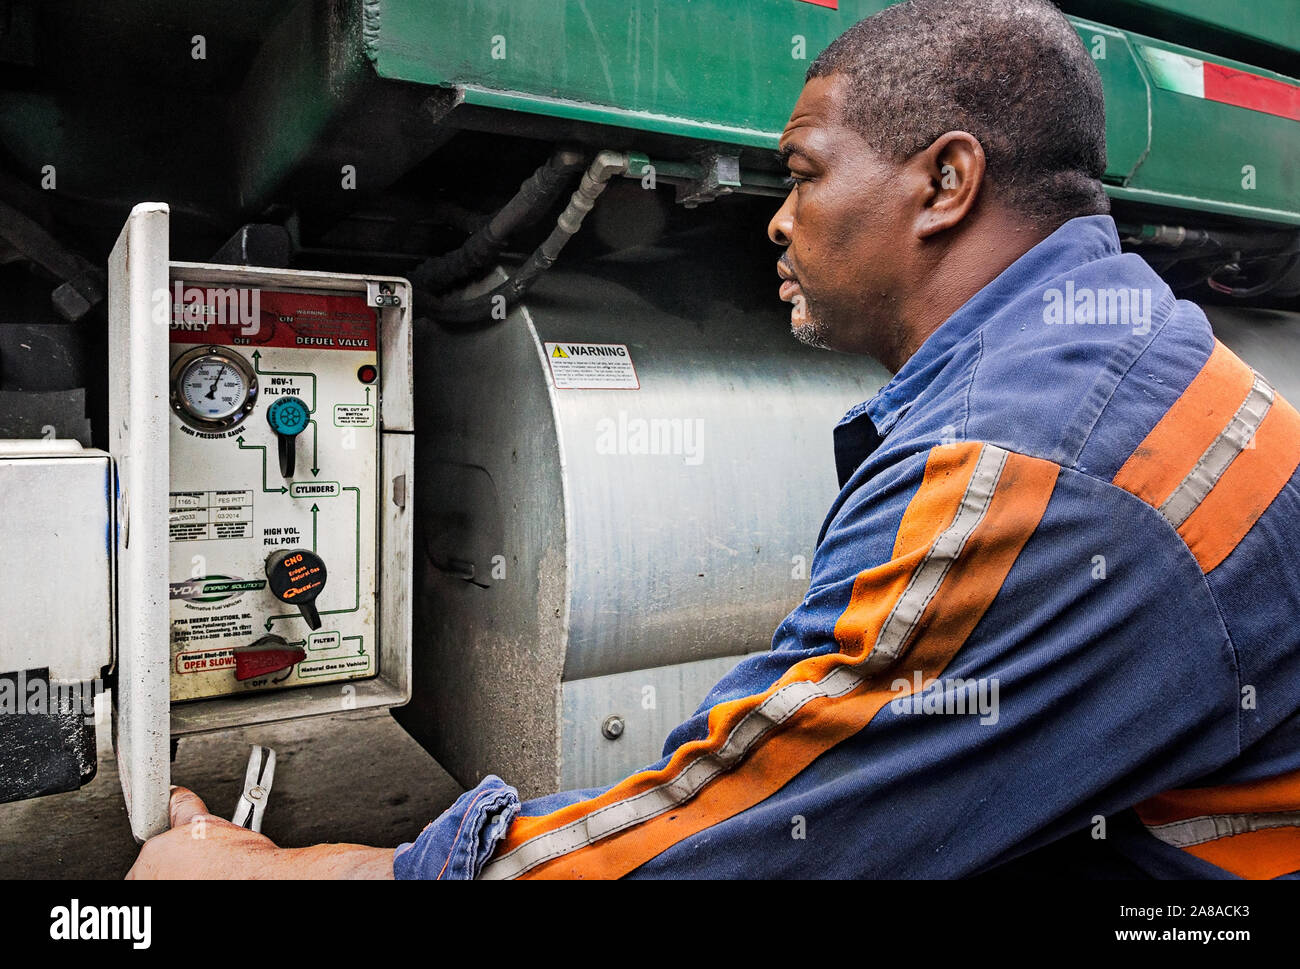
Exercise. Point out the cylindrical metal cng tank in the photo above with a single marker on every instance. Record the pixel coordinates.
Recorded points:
(620, 489)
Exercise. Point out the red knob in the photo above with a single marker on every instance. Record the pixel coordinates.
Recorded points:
(270, 654)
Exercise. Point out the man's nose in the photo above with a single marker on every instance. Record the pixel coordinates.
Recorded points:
(781, 229)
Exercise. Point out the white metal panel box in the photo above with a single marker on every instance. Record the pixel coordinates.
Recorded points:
(262, 424)
(56, 562)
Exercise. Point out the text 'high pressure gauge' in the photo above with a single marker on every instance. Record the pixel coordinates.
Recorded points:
(213, 388)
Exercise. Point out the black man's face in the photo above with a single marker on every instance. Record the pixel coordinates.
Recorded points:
(842, 229)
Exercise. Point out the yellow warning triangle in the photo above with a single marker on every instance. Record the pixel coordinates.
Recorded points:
(558, 352)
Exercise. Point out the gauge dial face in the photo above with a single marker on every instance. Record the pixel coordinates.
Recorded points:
(213, 389)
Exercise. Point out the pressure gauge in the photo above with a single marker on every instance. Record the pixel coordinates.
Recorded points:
(213, 388)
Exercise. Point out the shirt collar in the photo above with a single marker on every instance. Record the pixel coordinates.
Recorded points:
(1074, 243)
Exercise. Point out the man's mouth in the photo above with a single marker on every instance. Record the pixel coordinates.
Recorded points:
(792, 292)
(789, 285)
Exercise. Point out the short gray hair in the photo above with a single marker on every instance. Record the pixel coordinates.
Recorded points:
(1013, 73)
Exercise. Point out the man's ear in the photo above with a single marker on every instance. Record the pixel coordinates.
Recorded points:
(951, 172)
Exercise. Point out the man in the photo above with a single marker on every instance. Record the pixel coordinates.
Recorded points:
(1056, 596)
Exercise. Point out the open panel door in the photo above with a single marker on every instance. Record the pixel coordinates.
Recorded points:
(138, 320)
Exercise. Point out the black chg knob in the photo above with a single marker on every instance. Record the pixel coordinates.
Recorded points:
(296, 576)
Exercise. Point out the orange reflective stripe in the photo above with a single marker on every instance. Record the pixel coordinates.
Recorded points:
(1246, 488)
(1265, 853)
(932, 508)
(1196, 418)
(1255, 854)
(1217, 459)
(965, 591)
(1281, 793)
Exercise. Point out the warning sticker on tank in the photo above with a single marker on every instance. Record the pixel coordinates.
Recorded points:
(591, 366)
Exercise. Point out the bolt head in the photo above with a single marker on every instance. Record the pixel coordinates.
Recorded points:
(612, 728)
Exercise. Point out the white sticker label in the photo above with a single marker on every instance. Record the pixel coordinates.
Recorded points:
(591, 366)
(354, 415)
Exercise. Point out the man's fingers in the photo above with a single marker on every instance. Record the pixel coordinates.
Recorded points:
(185, 806)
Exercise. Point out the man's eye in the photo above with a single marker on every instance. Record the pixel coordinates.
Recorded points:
(793, 180)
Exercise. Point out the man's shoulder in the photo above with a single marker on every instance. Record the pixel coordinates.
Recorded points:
(1088, 362)
(1080, 395)
(1100, 371)
(1178, 468)
(1060, 559)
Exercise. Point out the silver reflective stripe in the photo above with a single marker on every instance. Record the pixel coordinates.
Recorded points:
(1233, 439)
(930, 574)
(1212, 827)
(603, 822)
(777, 708)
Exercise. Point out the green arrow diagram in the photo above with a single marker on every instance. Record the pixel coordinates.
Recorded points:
(258, 447)
(356, 569)
(257, 365)
(361, 644)
(315, 449)
(315, 510)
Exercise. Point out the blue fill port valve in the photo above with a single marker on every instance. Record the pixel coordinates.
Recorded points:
(288, 417)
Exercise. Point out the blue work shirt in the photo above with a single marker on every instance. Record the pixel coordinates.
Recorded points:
(1054, 603)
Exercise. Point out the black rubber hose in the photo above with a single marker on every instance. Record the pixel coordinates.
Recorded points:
(1270, 283)
(457, 312)
(480, 251)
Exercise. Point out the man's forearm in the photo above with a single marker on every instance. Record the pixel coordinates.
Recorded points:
(335, 861)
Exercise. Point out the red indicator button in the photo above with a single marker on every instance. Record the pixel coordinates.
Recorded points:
(367, 373)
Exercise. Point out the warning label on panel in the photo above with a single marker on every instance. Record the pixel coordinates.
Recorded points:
(247, 316)
(591, 366)
(354, 415)
(205, 660)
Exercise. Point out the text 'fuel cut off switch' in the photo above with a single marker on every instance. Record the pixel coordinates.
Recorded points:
(296, 576)
(288, 417)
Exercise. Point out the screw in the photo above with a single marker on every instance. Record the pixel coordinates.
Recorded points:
(612, 728)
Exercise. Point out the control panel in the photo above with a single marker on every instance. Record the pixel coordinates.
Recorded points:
(261, 431)
(274, 485)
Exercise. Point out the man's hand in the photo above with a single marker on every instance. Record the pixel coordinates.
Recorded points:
(201, 845)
